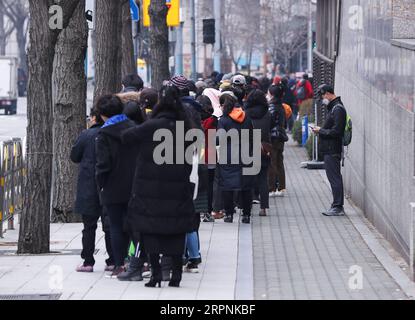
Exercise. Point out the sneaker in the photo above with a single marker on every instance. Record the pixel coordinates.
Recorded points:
(146, 271)
(85, 269)
(272, 194)
(218, 215)
(281, 193)
(263, 213)
(246, 219)
(109, 268)
(255, 201)
(192, 267)
(208, 218)
(228, 219)
(117, 271)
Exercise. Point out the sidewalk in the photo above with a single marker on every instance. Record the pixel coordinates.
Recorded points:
(294, 253)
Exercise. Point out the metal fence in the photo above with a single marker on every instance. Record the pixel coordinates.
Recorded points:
(323, 73)
(11, 182)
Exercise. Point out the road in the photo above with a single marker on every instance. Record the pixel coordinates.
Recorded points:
(14, 126)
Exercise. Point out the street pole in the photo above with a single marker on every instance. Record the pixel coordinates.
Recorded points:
(179, 50)
(310, 37)
(193, 34)
(217, 48)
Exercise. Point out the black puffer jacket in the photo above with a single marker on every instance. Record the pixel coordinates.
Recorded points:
(83, 153)
(332, 133)
(115, 164)
(162, 196)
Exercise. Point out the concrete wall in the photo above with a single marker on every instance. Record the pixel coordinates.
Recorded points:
(376, 82)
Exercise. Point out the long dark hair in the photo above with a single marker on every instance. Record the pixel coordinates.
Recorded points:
(228, 103)
(257, 98)
(169, 101)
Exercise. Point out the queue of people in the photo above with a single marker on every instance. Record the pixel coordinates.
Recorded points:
(156, 208)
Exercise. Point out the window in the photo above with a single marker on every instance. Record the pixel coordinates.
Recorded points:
(328, 24)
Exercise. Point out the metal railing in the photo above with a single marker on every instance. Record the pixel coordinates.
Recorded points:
(11, 182)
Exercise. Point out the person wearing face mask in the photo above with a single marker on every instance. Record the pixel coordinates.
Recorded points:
(331, 143)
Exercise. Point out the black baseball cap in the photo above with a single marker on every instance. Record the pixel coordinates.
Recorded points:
(325, 88)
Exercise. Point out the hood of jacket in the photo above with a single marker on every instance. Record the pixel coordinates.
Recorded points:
(237, 115)
(192, 102)
(129, 96)
(114, 126)
(257, 111)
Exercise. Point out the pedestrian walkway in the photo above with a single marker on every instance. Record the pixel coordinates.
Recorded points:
(301, 254)
(294, 253)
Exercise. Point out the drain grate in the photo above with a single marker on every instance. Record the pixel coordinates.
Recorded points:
(69, 252)
(54, 296)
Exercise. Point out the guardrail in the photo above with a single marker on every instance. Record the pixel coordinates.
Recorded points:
(11, 182)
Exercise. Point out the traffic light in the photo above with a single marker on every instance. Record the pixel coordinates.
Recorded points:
(209, 31)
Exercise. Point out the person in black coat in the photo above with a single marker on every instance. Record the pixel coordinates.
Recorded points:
(279, 138)
(257, 110)
(231, 177)
(114, 173)
(331, 144)
(87, 200)
(161, 208)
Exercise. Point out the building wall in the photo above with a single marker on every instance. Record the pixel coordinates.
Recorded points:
(376, 82)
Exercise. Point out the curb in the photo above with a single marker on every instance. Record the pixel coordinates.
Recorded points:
(356, 217)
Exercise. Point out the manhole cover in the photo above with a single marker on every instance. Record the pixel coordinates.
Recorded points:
(55, 296)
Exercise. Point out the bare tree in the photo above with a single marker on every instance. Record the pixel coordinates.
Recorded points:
(284, 30)
(17, 11)
(69, 111)
(240, 34)
(35, 219)
(6, 29)
(159, 43)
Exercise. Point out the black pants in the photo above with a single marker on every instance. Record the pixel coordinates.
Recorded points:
(211, 181)
(332, 165)
(88, 239)
(229, 202)
(174, 263)
(119, 238)
(261, 188)
(217, 201)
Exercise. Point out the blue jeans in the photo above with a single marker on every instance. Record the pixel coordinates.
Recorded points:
(192, 245)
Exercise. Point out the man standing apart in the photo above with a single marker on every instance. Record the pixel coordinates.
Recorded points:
(331, 142)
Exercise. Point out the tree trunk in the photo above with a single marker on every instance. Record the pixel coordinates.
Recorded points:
(35, 218)
(69, 100)
(21, 43)
(128, 60)
(34, 223)
(2, 35)
(159, 43)
(108, 51)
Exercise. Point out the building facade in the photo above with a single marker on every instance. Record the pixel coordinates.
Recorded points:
(371, 45)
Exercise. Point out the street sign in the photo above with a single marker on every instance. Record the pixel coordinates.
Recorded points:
(173, 16)
(135, 11)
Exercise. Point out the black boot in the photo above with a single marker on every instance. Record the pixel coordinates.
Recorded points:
(177, 268)
(155, 279)
(134, 271)
(228, 219)
(166, 264)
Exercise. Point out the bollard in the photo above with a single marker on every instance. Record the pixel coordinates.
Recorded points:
(305, 130)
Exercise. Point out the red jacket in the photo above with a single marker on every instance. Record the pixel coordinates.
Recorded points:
(209, 124)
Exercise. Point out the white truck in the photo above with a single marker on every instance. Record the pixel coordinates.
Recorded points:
(8, 84)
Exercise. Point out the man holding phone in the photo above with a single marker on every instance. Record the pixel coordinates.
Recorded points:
(331, 143)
